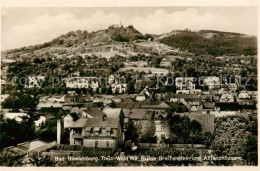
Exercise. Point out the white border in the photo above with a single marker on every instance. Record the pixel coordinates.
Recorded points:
(136, 3)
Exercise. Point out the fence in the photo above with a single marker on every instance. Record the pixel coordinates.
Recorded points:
(150, 145)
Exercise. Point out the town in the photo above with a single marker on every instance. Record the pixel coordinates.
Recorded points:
(91, 98)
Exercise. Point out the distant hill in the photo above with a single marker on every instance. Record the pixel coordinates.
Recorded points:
(115, 33)
(201, 42)
(211, 42)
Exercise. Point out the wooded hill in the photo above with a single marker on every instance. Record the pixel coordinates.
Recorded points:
(210, 42)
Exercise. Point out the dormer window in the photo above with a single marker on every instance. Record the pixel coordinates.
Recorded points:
(96, 130)
(108, 131)
(88, 130)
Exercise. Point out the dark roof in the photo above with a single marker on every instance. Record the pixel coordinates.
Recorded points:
(50, 116)
(160, 113)
(80, 123)
(140, 114)
(207, 97)
(74, 116)
(160, 106)
(95, 112)
(98, 122)
(184, 96)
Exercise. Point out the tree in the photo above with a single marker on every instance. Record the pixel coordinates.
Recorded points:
(109, 90)
(131, 131)
(187, 131)
(147, 136)
(20, 100)
(13, 132)
(207, 139)
(37, 60)
(103, 90)
(130, 87)
(195, 126)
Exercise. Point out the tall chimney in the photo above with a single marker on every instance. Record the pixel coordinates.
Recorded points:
(58, 131)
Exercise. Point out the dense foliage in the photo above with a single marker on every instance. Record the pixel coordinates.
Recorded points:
(184, 131)
(13, 132)
(219, 44)
(234, 137)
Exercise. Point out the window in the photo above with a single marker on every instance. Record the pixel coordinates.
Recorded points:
(77, 132)
(162, 128)
(107, 144)
(162, 136)
(96, 144)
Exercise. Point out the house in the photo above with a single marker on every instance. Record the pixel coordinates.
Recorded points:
(3, 97)
(82, 82)
(119, 88)
(60, 99)
(137, 114)
(162, 130)
(73, 98)
(15, 115)
(146, 92)
(28, 148)
(69, 119)
(94, 113)
(183, 97)
(116, 79)
(206, 98)
(119, 98)
(114, 113)
(245, 101)
(227, 98)
(243, 95)
(140, 97)
(96, 132)
(253, 94)
(48, 105)
(182, 91)
(185, 83)
(195, 106)
(160, 96)
(161, 106)
(212, 82)
(40, 121)
(209, 105)
(215, 98)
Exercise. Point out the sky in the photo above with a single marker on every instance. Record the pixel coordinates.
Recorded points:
(24, 26)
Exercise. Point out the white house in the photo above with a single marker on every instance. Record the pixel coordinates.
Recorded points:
(82, 82)
(243, 95)
(140, 98)
(17, 116)
(227, 98)
(120, 88)
(185, 83)
(212, 82)
(161, 130)
(40, 121)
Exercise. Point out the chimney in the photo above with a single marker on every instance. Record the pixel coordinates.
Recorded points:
(58, 131)
(104, 117)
